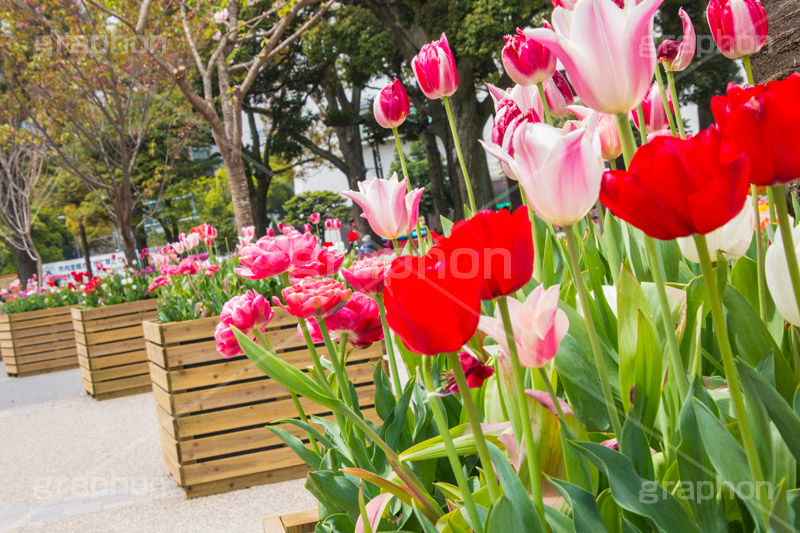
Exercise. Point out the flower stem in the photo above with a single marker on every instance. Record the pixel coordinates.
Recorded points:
(626, 138)
(402, 157)
(675, 103)
(583, 295)
(665, 101)
(475, 423)
(440, 417)
(748, 69)
(761, 271)
(467, 182)
(788, 240)
(519, 385)
(304, 418)
(387, 339)
(312, 350)
(730, 370)
(642, 125)
(537, 257)
(676, 361)
(553, 397)
(545, 106)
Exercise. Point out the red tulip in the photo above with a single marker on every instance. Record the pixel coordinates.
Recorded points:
(433, 302)
(762, 122)
(474, 370)
(675, 188)
(504, 245)
(391, 107)
(739, 27)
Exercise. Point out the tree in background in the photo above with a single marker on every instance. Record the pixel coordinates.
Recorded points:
(222, 62)
(328, 204)
(779, 58)
(419, 172)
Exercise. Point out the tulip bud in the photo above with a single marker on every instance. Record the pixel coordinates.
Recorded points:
(739, 27)
(391, 107)
(559, 95)
(732, 239)
(655, 116)
(435, 69)
(779, 281)
(526, 61)
(389, 209)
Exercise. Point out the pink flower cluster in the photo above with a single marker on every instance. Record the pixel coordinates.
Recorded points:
(293, 252)
(248, 312)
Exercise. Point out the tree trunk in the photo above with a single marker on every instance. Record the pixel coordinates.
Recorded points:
(470, 129)
(456, 181)
(779, 58)
(240, 194)
(85, 247)
(514, 193)
(128, 243)
(26, 265)
(263, 182)
(436, 175)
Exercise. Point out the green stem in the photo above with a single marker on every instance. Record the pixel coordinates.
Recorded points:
(387, 339)
(545, 105)
(665, 101)
(467, 182)
(642, 125)
(730, 370)
(583, 295)
(748, 69)
(553, 397)
(537, 258)
(761, 270)
(304, 418)
(519, 385)
(475, 423)
(440, 417)
(771, 200)
(676, 361)
(396, 245)
(402, 157)
(312, 350)
(788, 240)
(626, 138)
(675, 103)
(333, 355)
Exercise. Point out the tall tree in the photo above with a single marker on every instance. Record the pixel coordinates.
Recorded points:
(779, 58)
(222, 62)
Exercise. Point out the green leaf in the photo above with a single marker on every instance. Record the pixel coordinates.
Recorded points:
(309, 457)
(338, 492)
(284, 373)
(463, 439)
(447, 225)
(749, 336)
(613, 244)
(522, 515)
(402, 493)
(585, 514)
(636, 494)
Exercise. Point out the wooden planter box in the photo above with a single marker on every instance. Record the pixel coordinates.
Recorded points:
(297, 522)
(212, 411)
(111, 350)
(37, 341)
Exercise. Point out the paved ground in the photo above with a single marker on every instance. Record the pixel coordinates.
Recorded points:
(70, 463)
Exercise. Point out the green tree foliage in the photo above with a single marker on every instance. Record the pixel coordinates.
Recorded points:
(417, 164)
(328, 204)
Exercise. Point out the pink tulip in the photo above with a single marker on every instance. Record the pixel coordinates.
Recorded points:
(435, 69)
(558, 169)
(506, 110)
(739, 27)
(306, 228)
(325, 262)
(374, 509)
(314, 218)
(606, 132)
(390, 211)
(391, 107)
(272, 256)
(655, 116)
(559, 95)
(526, 61)
(607, 51)
(313, 297)
(556, 90)
(676, 56)
(367, 275)
(539, 326)
(247, 312)
(227, 345)
(333, 223)
(359, 319)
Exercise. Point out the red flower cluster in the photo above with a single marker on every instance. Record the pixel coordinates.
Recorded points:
(433, 302)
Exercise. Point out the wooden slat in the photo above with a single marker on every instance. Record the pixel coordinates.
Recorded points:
(101, 313)
(296, 522)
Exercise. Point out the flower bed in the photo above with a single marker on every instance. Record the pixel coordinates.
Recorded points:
(40, 341)
(297, 522)
(111, 348)
(212, 411)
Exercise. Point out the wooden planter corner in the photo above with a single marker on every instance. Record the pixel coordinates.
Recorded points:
(213, 411)
(37, 341)
(297, 522)
(111, 348)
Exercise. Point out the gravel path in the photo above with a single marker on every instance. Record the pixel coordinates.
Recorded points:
(70, 463)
